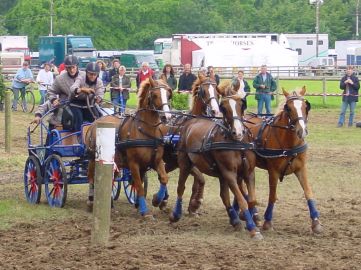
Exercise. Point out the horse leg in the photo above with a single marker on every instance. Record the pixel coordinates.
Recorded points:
(272, 197)
(90, 174)
(314, 214)
(250, 225)
(185, 167)
(233, 214)
(163, 178)
(251, 198)
(197, 191)
(137, 182)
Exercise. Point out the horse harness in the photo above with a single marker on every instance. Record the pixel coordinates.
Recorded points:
(279, 153)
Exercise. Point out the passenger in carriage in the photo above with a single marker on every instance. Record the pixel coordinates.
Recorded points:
(86, 88)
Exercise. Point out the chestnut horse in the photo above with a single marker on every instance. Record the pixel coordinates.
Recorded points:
(281, 150)
(205, 103)
(139, 141)
(216, 149)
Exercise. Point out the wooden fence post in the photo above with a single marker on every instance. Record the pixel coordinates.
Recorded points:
(324, 90)
(104, 162)
(8, 121)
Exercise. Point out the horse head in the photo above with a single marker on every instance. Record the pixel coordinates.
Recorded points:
(232, 108)
(297, 108)
(155, 95)
(205, 94)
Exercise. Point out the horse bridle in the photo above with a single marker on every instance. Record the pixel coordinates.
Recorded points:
(292, 122)
(150, 93)
(201, 96)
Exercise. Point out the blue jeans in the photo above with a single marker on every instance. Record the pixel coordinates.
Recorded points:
(119, 102)
(43, 96)
(344, 106)
(16, 98)
(264, 99)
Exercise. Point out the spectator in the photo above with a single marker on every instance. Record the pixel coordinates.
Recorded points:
(22, 78)
(210, 73)
(61, 67)
(187, 79)
(244, 88)
(80, 91)
(168, 76)
(54, 70)
(45, 79)
(265, 85)
(350, 86)
(144, 73)
(114, 70)
(103, 73)
(120, 86)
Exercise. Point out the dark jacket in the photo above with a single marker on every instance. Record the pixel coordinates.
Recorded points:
(270, 84)
(105, 78)
(171, 81)
(186, 81)
(352, 88)
(126, 84)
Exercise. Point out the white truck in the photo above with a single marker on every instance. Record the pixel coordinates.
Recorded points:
(15, 44)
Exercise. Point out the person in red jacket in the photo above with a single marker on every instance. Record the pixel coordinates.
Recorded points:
(144, 73)
(61, 67)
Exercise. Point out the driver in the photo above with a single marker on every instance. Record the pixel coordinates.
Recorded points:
(84, 91)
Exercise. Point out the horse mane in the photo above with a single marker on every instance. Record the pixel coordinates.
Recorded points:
(200, 79)
(142, 93)
(228, 88)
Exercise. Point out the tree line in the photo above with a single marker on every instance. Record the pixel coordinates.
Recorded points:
(135, 24)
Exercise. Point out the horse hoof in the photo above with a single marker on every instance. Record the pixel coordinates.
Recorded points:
(194, 205)
(192, 213)
(90, 205)
(163, 205)
(173, 218)
(267, 226)
(316, 226)
(257, 220)
(256, 236)
(155, 201)
(148, 216)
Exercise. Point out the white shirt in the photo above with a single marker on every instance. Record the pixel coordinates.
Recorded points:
(44, 77)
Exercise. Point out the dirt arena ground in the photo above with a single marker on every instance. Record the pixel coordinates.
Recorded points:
(206, 241)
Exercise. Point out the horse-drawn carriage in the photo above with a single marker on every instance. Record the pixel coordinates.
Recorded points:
(228, 147)
(58, 158)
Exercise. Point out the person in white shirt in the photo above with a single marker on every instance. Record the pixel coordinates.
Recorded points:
(45, 79)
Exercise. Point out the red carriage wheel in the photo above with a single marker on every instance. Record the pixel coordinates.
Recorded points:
(55, 180)
(32, 180)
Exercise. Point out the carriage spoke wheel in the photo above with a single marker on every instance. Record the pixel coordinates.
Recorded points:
(129, 188)
(116, 186)
(55, 180)
(32, 180)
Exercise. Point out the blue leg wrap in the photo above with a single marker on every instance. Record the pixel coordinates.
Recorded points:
(249, 221)
(312, 207)
(235, 205)
(233, 216)
(143, 209)
(253, 210)
(269, 212)
(177, 212)
(161, 193)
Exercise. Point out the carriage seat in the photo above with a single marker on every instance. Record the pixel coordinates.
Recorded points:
(65, 137)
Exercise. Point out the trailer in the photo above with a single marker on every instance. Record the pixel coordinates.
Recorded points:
(15, 44)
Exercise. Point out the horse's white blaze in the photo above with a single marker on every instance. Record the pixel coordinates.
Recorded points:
(163, 94)
(214, 104)
(298, 106)
(238, 126)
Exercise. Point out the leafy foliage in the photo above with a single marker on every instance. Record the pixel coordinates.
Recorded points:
(123, 24)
